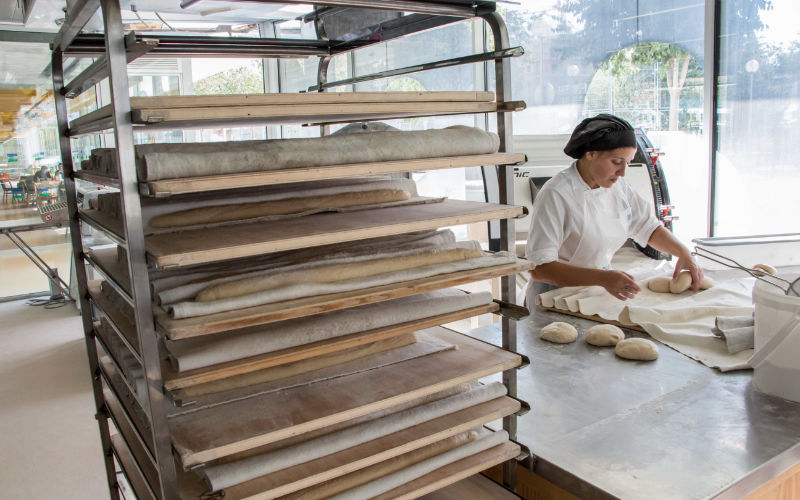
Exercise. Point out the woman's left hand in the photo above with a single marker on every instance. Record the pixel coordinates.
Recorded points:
(687, 263)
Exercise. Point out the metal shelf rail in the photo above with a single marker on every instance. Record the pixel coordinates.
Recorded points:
(115, 50)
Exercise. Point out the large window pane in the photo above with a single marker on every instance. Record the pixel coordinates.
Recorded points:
(639, 59)
(758, 113)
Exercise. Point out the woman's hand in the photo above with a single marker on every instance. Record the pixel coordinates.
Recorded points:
(687, 263)
(620, 285)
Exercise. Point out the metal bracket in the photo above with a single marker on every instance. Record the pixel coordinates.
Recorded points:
(513, 311)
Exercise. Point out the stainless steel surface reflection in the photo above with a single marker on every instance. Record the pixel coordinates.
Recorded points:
(605, 427)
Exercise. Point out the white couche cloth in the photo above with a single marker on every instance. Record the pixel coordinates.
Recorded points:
(683, 321)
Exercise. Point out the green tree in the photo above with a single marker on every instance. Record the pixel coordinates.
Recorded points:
(246, 79)
(673, 63)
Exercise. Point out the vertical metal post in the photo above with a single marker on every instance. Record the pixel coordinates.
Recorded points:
(134, 237)
(101, 413)
(710, 98)
(322, 78)
(505, 180)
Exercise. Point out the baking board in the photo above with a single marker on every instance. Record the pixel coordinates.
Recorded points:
(129, 467)
(169, 187)
(242, 425)
(358, 457)
(105, 221)
(453, 473)
(106, 259)
(232, 241)
(119, 319)
(174, 380)
(269, 313)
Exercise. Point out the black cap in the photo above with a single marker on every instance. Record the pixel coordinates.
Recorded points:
(600, 133)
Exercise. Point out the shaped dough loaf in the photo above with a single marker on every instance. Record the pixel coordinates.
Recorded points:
(604, 335)
(766, 268)
(660, 284)
(329, 274)
(637, 348)
(679, 285)
(559, 332)
(242, 211)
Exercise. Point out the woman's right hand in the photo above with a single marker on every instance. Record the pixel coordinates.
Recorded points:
(620, 285)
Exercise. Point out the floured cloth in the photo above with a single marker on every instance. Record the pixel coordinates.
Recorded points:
(387, 483)
(337, 192)
(188, 309)
(172, 161)
(738, 332)
(192, 284)
(173, 286)
(683, 321)
(200, 352)
(249, 285)
(225, 475)
(364, 358)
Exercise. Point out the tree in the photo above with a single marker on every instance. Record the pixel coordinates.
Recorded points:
(673, 64)
(247, 79)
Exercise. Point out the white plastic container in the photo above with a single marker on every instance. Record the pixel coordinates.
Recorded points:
(776, 362)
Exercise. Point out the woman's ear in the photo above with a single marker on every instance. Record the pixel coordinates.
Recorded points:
(591, 155)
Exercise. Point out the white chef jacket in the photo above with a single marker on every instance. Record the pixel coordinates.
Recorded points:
(577, 225)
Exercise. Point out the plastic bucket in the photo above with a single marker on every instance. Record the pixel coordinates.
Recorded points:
(776, 362)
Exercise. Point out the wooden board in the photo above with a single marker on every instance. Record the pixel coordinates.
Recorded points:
(119, 319)
(200, 246)
(104, 221)
(358, 457)
(243, 425)
(134, 476)
(304, 112)
(305, 98)
(106, 259)
(169, 187)
(475, 487)
(593, 317)
(133, 443)
(453, 473)
(174, 380)
(269, 313)
(338, 364)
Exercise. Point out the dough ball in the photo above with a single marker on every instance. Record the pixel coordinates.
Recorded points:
(706, 283)
(559, 332)
(681, 283)
(660, 285)
(764, 267)
(604, 335)
(636, 348)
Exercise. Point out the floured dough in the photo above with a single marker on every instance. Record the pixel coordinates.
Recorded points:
(637, 348)
(766, 268)
(242, 211)
(328, 274)
(604, 335)
(706, 283)
(681, 283)
(559, 332)
(660, 284)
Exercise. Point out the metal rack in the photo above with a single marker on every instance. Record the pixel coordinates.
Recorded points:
(149, 443)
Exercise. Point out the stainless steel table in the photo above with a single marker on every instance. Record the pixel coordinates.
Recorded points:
(603, 427)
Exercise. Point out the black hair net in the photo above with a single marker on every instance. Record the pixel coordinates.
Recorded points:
(600, 133)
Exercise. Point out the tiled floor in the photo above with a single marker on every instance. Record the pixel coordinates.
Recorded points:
(49, 440)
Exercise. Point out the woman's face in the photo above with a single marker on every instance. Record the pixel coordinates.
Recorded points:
(603, 168)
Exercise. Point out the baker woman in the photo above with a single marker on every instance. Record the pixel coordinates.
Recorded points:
(586, 212)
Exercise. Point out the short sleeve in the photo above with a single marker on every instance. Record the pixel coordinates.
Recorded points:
(643, 220)
(546, 233)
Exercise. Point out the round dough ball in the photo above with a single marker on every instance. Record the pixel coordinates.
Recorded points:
(706, 283)
(681, 283)
(604, 335)
(637, 348)
(559, 332)
(764, 267)
(660, 285)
